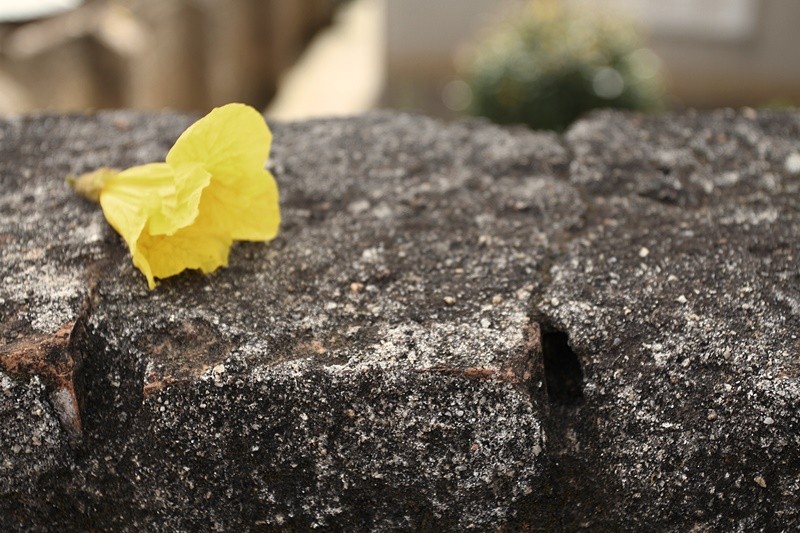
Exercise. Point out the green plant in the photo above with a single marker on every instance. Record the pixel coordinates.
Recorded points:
(549, 65)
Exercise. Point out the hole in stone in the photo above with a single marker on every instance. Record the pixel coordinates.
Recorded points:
(562, 369)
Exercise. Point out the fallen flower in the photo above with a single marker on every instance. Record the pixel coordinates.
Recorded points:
(186, 212)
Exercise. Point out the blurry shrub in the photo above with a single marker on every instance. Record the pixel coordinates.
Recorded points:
(548, 65)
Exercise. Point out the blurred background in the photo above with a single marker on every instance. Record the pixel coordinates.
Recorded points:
(537, 62)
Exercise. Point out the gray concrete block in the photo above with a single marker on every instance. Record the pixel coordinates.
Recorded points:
(460, 326)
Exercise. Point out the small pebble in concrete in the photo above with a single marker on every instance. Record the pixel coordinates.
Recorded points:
(792, 163)
(356, 287)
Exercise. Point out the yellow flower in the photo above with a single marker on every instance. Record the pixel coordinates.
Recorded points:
(186, 212)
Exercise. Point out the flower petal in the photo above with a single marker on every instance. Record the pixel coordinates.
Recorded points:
(193, 247)
(230, 141)
(247, 210)
(166, 198)
(130, 197)
(181, 207)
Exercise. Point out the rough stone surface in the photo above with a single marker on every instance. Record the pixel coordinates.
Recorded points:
(682, 297)
(396, 358)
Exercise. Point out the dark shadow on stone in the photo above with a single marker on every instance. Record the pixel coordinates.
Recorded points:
(562, 369)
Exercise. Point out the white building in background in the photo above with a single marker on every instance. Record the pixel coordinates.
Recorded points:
(425, 41)
(725, 52)
(396, 53)
(715, 52)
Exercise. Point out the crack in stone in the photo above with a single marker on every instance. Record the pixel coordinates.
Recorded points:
(562, 369)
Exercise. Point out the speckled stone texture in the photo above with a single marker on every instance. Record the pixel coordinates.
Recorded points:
(398, 357)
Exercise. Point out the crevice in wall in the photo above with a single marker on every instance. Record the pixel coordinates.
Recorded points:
(562, 369)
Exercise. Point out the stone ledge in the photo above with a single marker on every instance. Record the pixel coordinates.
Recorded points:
(386, 362)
